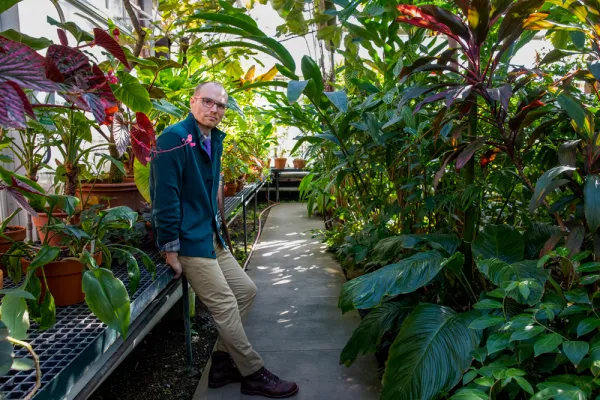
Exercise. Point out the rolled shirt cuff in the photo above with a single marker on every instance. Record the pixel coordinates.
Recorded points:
(172, 246)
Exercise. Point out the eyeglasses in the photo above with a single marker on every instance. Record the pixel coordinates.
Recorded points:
(209, 103)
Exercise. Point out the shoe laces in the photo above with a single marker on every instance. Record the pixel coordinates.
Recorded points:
(271, 377)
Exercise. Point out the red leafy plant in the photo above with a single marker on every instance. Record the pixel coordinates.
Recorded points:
(65, 70)
(143, 140)
(476, 68)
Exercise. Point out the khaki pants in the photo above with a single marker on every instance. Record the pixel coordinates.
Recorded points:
(228, 292)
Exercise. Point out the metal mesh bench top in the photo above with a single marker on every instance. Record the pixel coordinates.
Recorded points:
(78, 340)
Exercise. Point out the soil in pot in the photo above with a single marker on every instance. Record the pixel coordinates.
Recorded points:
(299, 163)
(230, 189)
(64, 279)
(280, 163)
(112, 194)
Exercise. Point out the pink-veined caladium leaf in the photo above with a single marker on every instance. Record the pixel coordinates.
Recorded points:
(82, 84)
(13, 106)
(143, 138)
(121, 134)
(21, 67)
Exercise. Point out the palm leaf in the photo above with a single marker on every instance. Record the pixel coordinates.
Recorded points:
(430, 353)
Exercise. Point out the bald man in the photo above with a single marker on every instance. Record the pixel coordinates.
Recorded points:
(186, 193)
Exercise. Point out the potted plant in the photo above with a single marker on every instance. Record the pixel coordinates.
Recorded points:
(71, 273)
(280, 160)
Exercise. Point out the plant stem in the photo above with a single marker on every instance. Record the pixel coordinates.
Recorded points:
(470, 212)
(36, 362)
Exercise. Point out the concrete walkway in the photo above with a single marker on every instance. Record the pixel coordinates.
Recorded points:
(295, 324)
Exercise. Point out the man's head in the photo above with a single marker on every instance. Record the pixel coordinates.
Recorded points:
(208, 104)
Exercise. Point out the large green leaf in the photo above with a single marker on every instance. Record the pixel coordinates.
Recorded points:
(369, 333)
(503, 242)
(44, 256)
(5, 5)
(295, 89)
(108, 299)
(430, 353)
(34, 43)
(515, 278)
(575, 350)
(166, 107)
(259, 85)
(546, 184)
(536, 236)
(79, 34)
(339, 100)
(15, 315)
(310, 70)
(406, 276)
(6, 350)
(284, 55)
(231, 20)
(592, 201)
(141, 175)
(131, 92)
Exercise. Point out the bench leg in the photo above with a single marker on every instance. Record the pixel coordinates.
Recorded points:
(245, 227)
(190, 371)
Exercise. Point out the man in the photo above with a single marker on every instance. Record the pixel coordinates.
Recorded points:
(185, 186)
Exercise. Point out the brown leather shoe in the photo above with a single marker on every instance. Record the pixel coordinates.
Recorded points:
(223, 370)
(264, 383)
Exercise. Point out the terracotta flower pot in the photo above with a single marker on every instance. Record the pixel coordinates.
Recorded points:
(16, 233)
(299, 163)
(1, 279)
(112, 194)
(42, 220)
(280, 163)
(64, 279)
(230, 189)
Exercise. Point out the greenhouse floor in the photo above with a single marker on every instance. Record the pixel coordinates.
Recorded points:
(295, 323)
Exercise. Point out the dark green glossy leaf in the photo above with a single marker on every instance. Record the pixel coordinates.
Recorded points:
(526, 332)
(547, 343)
(487, 304)
(310, 70)
(575, 350)
(34, 43)
(587, 325)
(15, 316)
(577, 296)
(369, 333)
(503, 242)
(107, 298)
(131, 92)
(79, 34)
(420, 365)
(486, 321)
(498, 341)
(45, 255)
(546, 185)
(591, 201)
(406, 276)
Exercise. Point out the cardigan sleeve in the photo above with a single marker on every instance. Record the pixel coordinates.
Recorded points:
(167, 175)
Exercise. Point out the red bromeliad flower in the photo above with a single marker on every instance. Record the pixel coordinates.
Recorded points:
(116, 33)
